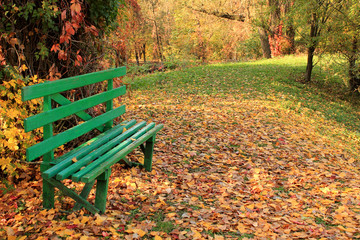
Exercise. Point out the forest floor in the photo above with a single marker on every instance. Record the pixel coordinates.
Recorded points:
(246, 152)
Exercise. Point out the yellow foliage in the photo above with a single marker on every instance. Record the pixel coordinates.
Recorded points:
(13, 139)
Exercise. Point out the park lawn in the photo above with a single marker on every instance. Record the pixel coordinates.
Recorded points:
(247, 151)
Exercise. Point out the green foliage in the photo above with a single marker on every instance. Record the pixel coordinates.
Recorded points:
(104, 13)
(250, 48)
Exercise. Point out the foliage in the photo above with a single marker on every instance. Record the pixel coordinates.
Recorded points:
(246, 152)
(43, 40)
(53, 38)
(13, 139)
(251, 48)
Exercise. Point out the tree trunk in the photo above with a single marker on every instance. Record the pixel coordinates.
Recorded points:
(309, 66)
(144, 52)
(137, 56)
(314, 33)
(265, 45)
(354, 80)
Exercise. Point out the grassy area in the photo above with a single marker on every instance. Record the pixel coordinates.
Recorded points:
(275, 81)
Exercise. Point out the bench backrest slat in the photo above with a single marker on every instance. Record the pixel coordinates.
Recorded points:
(53, 115)
(60, 99)
(55, 141)
(49, 88)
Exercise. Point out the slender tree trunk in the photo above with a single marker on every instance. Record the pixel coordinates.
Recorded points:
(309, 66)
(314, 33)
(144, 52)
(265, 45)
(354, 80)
(137, 56)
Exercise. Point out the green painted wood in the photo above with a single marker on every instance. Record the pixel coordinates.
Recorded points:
(66, 136)
(120, 155)
(48, 190)
(49, 88)
(86, 148)
(129, 163)
(73, 195)
(110, 103)
(112, 132)
(148, 154)
(53, 115)
(65, 173)
(76, 177)
(84, 194)
(102, 185)
(60, 99)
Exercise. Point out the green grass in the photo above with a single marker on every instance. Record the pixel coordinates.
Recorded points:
(271, 80)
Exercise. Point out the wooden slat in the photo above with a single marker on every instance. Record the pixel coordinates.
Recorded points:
(53, 115)
(110, 103)
(60, 99)
(115, 158)
(49, 88)
(66, 172)
(66, 136)
(66, 160)
(76, 177)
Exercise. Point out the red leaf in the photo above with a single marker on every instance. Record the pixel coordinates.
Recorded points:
(69, 28)
(75, 8)
(63, 15)
(72, 226)
(55, 48)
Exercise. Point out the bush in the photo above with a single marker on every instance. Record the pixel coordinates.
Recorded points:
(13, 139)
(250, 48)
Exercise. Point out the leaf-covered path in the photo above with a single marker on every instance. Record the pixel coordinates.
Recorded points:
(225, 166)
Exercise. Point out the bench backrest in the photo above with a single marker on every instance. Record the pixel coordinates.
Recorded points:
(52, 91)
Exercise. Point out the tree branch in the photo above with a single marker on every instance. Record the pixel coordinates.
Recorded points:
(234, 17)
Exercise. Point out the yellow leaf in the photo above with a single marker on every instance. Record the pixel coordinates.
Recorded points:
(158, 238)
(133, 139)
(140, 232)
(74, 160)
(342, 175)
(197, 235)
(124, 130)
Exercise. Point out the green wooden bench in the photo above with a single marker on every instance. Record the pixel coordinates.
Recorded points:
(91, 162)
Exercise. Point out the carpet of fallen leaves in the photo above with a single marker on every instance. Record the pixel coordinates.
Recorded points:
(225, 167)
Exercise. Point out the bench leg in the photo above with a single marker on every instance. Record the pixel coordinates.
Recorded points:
(84, 193)
(48, 190)
(148, 153)
(48, 195)
(101, 190)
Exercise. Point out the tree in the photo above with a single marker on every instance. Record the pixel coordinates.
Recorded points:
(345, 39)
(314, 15)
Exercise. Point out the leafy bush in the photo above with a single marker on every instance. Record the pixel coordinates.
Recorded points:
(251, 48)
(13, 139)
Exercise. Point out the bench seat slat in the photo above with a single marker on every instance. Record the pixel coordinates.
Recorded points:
(49, 88)
(51, 143)
(76, 177)
(53, 115)
(66, 160)
(98, 152)
(115, 158)
(60, 99)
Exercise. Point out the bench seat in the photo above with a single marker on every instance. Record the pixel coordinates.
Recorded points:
(86, 163)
